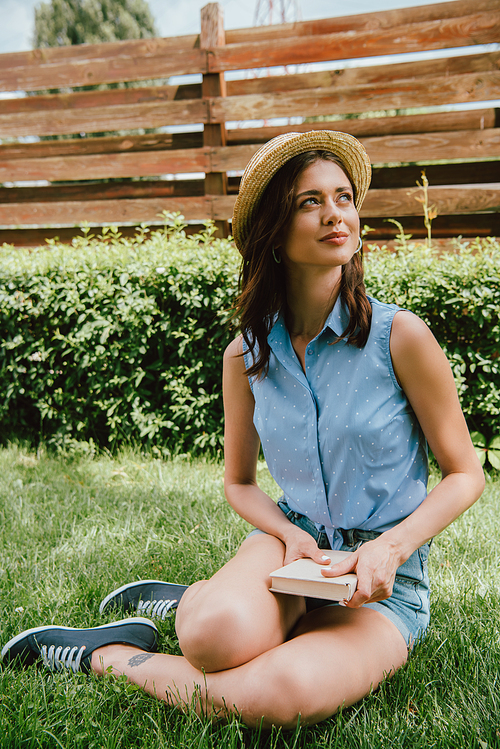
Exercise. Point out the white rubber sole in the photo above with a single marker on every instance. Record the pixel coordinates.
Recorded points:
(117, 592)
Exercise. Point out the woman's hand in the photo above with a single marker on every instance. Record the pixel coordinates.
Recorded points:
(375, 563)
(299, 544)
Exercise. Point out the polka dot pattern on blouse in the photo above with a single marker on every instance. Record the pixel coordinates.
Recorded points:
(341, 439)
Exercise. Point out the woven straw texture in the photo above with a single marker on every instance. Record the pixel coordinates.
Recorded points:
(273, 155)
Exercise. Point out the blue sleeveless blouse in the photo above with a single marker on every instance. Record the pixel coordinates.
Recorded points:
(341, 439)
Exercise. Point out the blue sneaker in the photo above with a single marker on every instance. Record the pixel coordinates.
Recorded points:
(152, 598)
(66, 648)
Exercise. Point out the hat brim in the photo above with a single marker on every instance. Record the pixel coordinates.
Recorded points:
(273, 155)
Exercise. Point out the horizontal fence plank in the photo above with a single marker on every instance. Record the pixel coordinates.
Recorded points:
(103, 97)
(457, 173)
(458, 225)
(104, 119)
(448, 200)
(107, 166)
(399, 94)
(456, 145)
(368, 74)
(67, 54)
(378, 203)
(89, 64)
(114, 211)
(418, 147)
(472, 119)
(479, 28)
(103, 191)
(108, 144)
(361, 21)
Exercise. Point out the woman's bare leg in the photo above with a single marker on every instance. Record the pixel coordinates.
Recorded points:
(251, 652)
(336, 656)
(232, 618)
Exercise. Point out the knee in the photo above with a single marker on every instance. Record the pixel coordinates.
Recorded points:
(217, 638)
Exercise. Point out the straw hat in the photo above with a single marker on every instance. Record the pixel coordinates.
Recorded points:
(273, 155)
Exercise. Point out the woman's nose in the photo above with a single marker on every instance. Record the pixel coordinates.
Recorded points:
(331, 212)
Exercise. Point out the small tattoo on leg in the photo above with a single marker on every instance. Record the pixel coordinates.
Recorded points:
(138, 660)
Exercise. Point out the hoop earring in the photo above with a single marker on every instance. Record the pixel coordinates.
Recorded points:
(276, 259)
(360, 246)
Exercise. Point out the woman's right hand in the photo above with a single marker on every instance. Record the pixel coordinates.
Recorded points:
(300, 544)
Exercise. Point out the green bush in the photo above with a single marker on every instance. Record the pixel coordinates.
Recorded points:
(458, 296)
(117, 341)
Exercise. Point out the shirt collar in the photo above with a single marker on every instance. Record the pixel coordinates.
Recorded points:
(337, 321)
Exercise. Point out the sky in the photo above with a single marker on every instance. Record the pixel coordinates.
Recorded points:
(179, 17)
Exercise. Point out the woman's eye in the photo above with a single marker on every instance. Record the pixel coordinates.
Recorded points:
(346, 196)
(309, 201)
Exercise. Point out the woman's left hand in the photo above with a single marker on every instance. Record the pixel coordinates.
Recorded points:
(375, 563)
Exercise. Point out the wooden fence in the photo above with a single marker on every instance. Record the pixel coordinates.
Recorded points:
(195, 138)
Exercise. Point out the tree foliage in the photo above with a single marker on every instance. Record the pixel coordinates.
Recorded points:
(65, 22)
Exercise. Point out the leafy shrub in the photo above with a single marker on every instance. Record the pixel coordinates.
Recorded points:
(116, 341)
(487, 452)
(458, 296)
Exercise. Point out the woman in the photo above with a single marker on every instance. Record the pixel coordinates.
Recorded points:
(339, 390)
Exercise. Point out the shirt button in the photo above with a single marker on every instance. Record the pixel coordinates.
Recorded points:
(309, 352)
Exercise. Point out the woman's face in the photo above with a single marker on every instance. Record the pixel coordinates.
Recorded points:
(324, 227)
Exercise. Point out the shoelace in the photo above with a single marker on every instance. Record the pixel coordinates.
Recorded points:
(59, 658)
(158, 608)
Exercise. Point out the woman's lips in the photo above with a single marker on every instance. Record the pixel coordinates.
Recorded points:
(335, 238)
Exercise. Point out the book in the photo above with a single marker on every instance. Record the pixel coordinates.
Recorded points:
(303, 578)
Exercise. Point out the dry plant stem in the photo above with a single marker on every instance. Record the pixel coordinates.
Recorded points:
(430, 211)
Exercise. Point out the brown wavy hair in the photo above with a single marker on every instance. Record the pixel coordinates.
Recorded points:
(262, 281)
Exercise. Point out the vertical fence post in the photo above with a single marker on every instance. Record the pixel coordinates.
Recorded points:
(213, 84)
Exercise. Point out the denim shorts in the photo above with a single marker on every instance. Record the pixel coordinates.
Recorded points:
(408, 607)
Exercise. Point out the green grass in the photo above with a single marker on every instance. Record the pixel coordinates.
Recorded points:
(72, 528)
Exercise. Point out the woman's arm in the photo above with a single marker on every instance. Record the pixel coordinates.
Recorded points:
(426, 378)
(425, 375)
(241, 450)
